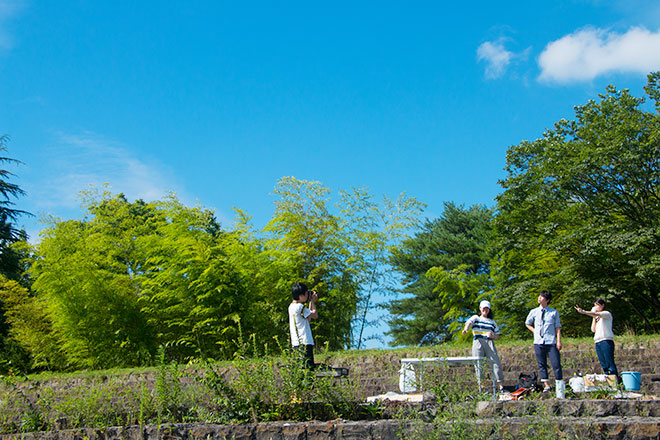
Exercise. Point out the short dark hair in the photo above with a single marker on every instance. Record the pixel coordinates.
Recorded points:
(298, 289)
(600, 301)
(546, 294)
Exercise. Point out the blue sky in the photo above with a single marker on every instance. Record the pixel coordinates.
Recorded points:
(218, 100)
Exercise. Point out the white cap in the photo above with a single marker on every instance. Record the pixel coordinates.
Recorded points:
(483, 304)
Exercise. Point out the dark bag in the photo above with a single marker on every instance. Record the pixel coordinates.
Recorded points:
(527, 381)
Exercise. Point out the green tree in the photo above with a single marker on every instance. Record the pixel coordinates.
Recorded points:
(340, 250)
(266, 279)
(134, 276)
(191, 292)
(305, 237)
(30, 329)
(11, 256)
(9, 191)
(445, 268)
(371, 232)
(87, 274)
(580, 213)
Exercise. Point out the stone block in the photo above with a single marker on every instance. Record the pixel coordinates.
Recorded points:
(294, 431)
(268, 431)
(644, 430)
(602, 408)
(320, 430)
(388, 430)
(485, 408)
(353, 431)
(571, 408)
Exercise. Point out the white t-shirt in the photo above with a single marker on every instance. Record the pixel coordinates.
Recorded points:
(301, 332)
(604, 328)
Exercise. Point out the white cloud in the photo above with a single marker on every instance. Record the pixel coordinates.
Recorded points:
(588, 53)
(497, 58)
(83, 160)
(72, 163)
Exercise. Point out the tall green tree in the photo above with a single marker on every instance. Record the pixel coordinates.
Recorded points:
(11, 254)
(191, 293)
(341, 250)
(445, 268)
(87, 273)
(580, 212)
(371, 231)
(305, 236)
(10, 233)
(133, 276)
(30, 331)
(9, 191)
(266, 279)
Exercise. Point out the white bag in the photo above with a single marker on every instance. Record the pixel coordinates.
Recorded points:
(576, 383)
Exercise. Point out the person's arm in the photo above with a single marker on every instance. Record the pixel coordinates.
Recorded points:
(468, 325)
(495, 333)
(588, 313)
(594, 315)
(529, 321)
(558, 333)
(312, 306)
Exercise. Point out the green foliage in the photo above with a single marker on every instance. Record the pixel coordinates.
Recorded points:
(307, 237)
(459, 292)
(580, 213)
(342, 255)
(87, 275)
(190, 291)
(446, 270)
(133, 276)
(30, 327)
(371, 233)
(12, 355)
(129, 277)
(167, 389)
(8, 231)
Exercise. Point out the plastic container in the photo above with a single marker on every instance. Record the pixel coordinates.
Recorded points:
(632, 380)
(560, 388)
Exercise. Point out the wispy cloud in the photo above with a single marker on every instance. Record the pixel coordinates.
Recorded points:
(496, 57)
(588, 53)
(79, 161)
(8, 10)
(87, 161)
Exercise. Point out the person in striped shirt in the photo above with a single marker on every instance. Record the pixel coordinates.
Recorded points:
(484, 331)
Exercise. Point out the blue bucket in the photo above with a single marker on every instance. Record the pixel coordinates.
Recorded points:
(632, 380)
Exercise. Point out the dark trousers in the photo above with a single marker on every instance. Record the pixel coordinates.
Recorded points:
(605, 352)
(306, 355)
(543, 352)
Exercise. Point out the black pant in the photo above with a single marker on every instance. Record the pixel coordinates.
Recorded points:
(542, 352)
(307, 355)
